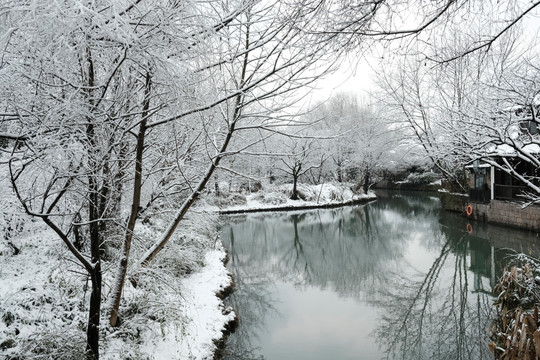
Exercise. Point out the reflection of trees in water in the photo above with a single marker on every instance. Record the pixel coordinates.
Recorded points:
(444, 314)
(252, 299)
(411, 204)
(358, 252)
(339, 248)
(437, 315)
(252, 303)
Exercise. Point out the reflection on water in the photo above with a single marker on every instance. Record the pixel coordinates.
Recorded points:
(394, 279)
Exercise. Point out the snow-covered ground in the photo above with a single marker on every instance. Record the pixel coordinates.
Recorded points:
(198, 318)
(174, 313)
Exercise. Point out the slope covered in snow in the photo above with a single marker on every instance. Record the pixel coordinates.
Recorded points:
(174, 313)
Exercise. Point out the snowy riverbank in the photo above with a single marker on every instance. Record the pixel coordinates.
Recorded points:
(277, 198)
(174, 313)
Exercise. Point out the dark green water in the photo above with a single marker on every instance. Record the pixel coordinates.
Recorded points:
(395, 279)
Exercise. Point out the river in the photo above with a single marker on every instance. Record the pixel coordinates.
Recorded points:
(398, 278)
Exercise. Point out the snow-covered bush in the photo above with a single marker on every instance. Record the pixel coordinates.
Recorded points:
(422, 178)
(274, 198)
(307, 193)
(514, 332)
(251, 186)
(154, 312)
(44, 298)
(13, 223)
(335, 195)
(43, 313)
(230, 199)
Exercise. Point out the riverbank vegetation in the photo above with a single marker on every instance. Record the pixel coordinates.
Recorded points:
(279, 197)
(514, 332)
(174, 312)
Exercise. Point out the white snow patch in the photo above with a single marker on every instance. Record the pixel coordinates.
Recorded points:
(506, 149)
(204, 317)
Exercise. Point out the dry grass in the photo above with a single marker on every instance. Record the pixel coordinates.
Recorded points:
(515, 333)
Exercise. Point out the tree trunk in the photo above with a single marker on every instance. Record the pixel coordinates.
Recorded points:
(367, 179)
(294, 195)
(216, 185)
(339, 172)
(103, 199)
(92, 333)
(136, 201)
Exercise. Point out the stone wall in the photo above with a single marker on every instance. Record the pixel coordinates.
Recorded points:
(496, 211)
(508, 213)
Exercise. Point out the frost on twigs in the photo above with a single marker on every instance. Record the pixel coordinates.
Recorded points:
(515, 332)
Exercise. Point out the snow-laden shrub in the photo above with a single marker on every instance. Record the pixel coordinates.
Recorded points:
(13, 224)
(151, 312)
(186, 257)
(422, 178)
(348, 193)
(305, 193)
(323, 192)
(60, 343)
(514, 332)
(43, 312)
(223, 187)
(250, 187)
(231, 199)
(331, 192)
(274, 198)
(334, 195)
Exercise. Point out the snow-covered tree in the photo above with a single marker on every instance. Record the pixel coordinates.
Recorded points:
(470, 107)
(96, 93)
(340, 121)
(299, 158)
(358, 138)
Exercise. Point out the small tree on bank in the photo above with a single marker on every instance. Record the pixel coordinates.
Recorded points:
(301, 158)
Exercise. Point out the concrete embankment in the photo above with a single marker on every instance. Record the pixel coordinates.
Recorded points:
(500, 212)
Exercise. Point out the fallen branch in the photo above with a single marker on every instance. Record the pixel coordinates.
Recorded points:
(16, 250)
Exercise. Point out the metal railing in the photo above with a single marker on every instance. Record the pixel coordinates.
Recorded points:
(508, 192)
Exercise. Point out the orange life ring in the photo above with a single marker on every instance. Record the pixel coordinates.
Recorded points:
(469, 228)
(469, 210)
